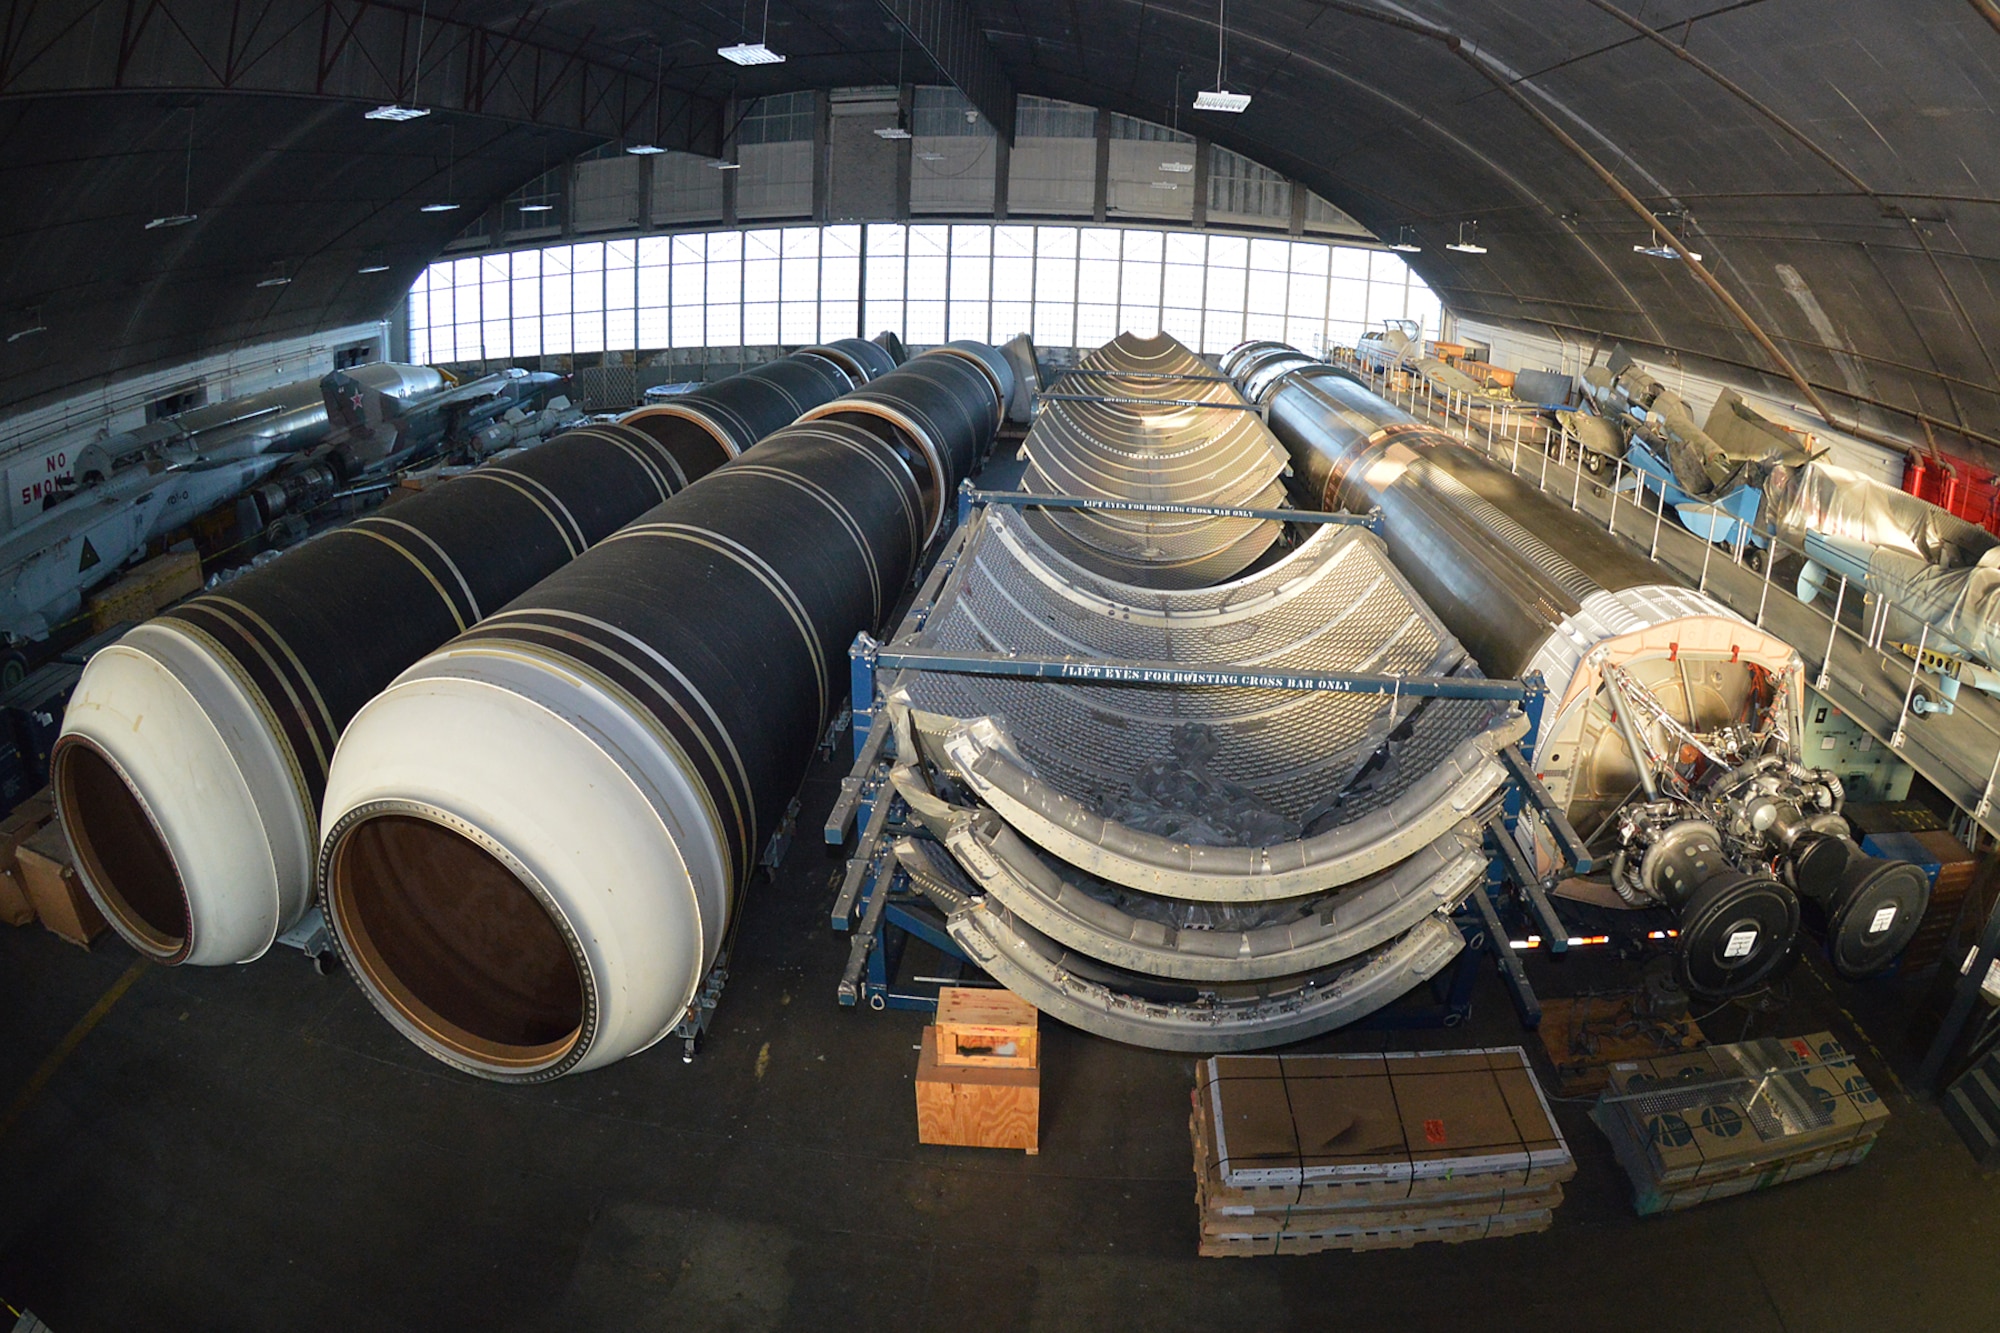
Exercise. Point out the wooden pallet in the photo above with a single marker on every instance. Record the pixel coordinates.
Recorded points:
(1584, 1037)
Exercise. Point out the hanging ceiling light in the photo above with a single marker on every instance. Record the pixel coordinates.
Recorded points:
(753, 53)
(1216, 98)
(892, 132)
(450, 165)
(1178, 168)
(1659, 249)
(722, 164)
(32, 325)
(651, 146)
(1465, 246)
(1406, 241)
(374, 263)
(398, 111)
(538, 208)
(186, 215)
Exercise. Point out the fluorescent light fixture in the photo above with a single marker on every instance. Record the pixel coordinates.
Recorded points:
(749, 53)
(1408, 247)
(930, 157)
(1178, 168)
(643, 149)
(1466, 248)
(27, 333)
(892, 132)
(1215, 99)
(373, 268)
(276, 280)
(1664, 251)
(439, 208)
(170, 220)
(1162, 185)
(394, 111)
(538, 208)
(723, 164)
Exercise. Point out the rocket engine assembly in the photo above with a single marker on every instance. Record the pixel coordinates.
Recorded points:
(195, 751)
(1671, 727)
(537, 836)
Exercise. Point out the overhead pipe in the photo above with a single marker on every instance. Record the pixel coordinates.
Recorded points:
(193, 757)
(538, 835)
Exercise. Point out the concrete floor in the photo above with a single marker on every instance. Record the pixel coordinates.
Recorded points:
(252, 1148)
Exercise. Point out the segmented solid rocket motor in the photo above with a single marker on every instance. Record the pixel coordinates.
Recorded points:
(195, 749)
(537, 835)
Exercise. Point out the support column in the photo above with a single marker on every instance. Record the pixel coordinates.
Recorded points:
(1100, 194)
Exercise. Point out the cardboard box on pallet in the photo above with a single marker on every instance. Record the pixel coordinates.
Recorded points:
(1295, 1154)
(48, 874)
(1731, 1119)
(15, 829)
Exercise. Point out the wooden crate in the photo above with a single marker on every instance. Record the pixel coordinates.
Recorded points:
(981, 1026)
(48, 874)
(148, 590)
(1584, 1037)
(977, 1106)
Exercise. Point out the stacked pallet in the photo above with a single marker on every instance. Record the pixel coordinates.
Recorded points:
(1709, 1124)
(1295, 1154)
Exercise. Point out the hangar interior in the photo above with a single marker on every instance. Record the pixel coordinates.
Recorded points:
(784, 666)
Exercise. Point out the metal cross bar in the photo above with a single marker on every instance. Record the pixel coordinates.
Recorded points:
(1025, 500)
(1145, 402)
(1568, 842)
(1097, 671)
(1167, 376)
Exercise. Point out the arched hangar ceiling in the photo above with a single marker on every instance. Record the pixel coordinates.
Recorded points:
(1832, 163)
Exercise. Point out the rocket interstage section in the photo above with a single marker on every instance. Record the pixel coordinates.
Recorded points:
(1182, 864)
(1145, 419)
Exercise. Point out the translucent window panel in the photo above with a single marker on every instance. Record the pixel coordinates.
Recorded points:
(1273, 255)
(1348, 262)
(1309, 259)
(1306, 297)
(655, 328)
(1225, 290)
(840, 319)
(1387, 267)
(469, 348)
(1423, 305)
(1097, 243)
(420, 344)
(840, 278)
(974, 239)
(968, 317)
(557, 335)
(886, 238)
(621, 296)
(492, 268)
(1263, 324)
(1055, 323)
(465, 272)
(924, 323)
(655, 250)
(1182, 286)
(1305, 332)
(1055, 281)
(928, 263)
(1097, 281)
(798, 322)
(760, 322)
(1013, 242)
(655, 288)
(971, 276)
(1267, 295)
(760, 279)
(1183, 325)
(1139, 281)
(842, 242)
(1183, 248)
(1013, 273)
(882, 314)
(1228, 251)
(1347, 300)
(726, 246)
(1221, 330)
(1056, 242)
(1012, 317)
(1095, 324)
(725, 323)
(688, 320)
(495, 322)
(1144, 245)
(799, 278)
(621, 328)
(885, 277)
(690, 248)
(555, 301)
(439, 346)
(1343, 333)
(799, 242)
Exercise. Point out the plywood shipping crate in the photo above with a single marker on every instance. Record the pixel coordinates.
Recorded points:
(1296, 1154)
(1689, 1129)
(48, 873)
(148, 590)
(16, 828)
(979, 1081)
